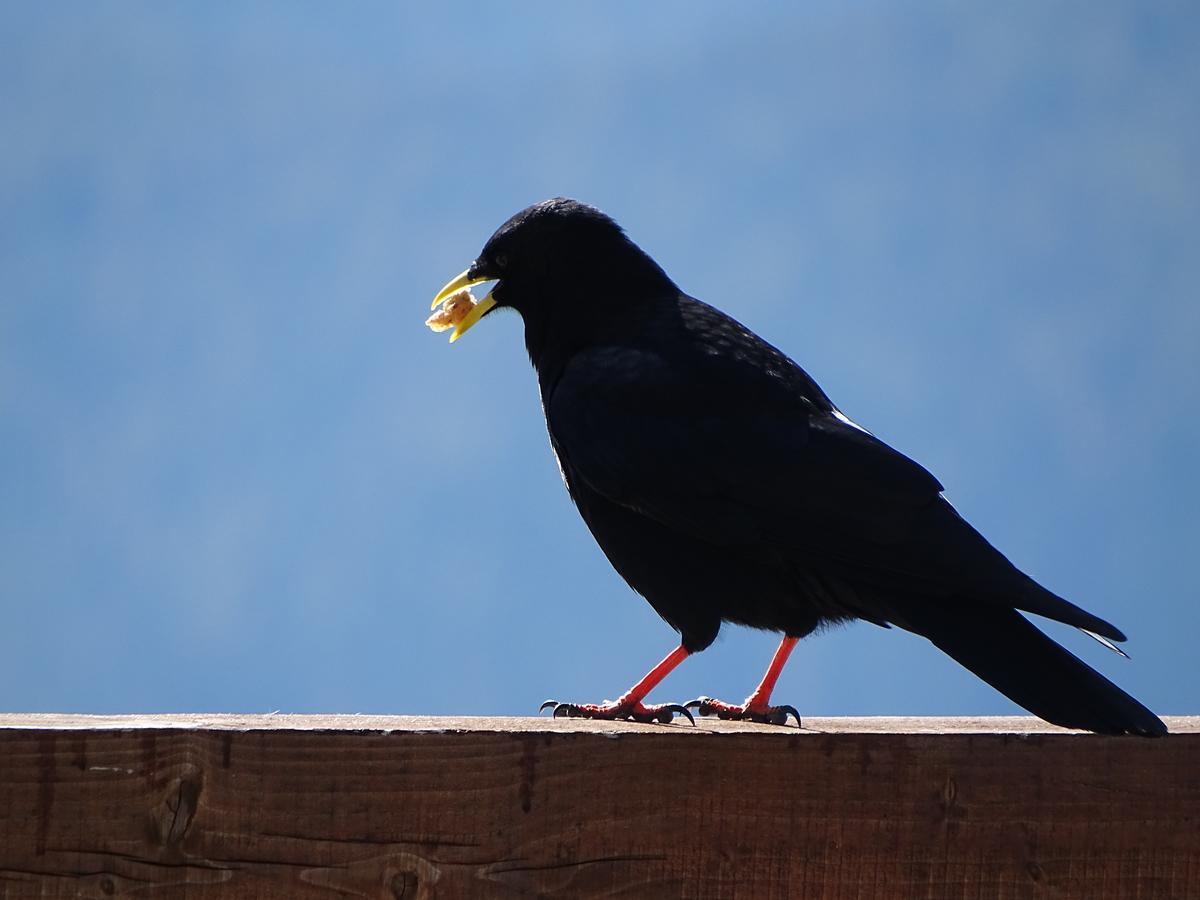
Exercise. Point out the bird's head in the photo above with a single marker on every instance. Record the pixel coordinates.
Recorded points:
(558, 263)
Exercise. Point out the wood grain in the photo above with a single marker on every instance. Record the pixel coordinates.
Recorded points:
(369, 806)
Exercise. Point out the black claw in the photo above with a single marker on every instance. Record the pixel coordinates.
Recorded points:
(786, 711)
(560, 709)
(672, 708)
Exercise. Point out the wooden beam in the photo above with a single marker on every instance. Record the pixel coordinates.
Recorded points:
(201, 806)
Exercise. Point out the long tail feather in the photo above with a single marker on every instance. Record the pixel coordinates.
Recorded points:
(1008, 652)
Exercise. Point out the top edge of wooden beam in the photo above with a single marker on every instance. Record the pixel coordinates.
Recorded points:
(1017, 725)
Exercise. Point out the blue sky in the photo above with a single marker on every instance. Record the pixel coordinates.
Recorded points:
(237, 474)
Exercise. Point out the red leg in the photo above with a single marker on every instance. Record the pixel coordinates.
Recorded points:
(761, 697)
(757, 707)
(629, 705)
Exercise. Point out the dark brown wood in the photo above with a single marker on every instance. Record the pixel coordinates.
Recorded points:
(349, 806)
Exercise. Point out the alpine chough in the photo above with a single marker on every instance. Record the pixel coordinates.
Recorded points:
(724, 485)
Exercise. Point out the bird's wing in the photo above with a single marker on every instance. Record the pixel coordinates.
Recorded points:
(726, 451)
(734, 455)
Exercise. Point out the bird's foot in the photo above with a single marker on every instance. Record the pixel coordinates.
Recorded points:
(619, 709)
(747, 712)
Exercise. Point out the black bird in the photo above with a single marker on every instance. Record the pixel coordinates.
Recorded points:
(724, 485)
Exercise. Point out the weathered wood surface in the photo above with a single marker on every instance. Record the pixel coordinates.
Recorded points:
(370, 806)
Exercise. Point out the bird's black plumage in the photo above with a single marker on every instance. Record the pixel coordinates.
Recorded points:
(724, 485)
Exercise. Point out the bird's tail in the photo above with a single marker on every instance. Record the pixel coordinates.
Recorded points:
(1008, 652)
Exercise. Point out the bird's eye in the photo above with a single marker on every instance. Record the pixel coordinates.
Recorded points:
(501, 260)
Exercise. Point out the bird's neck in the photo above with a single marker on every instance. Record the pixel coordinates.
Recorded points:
(596, 315)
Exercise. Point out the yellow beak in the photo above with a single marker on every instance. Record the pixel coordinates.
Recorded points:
(456, 284)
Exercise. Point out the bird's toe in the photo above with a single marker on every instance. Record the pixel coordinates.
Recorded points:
(638, 712)
(767, 715)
